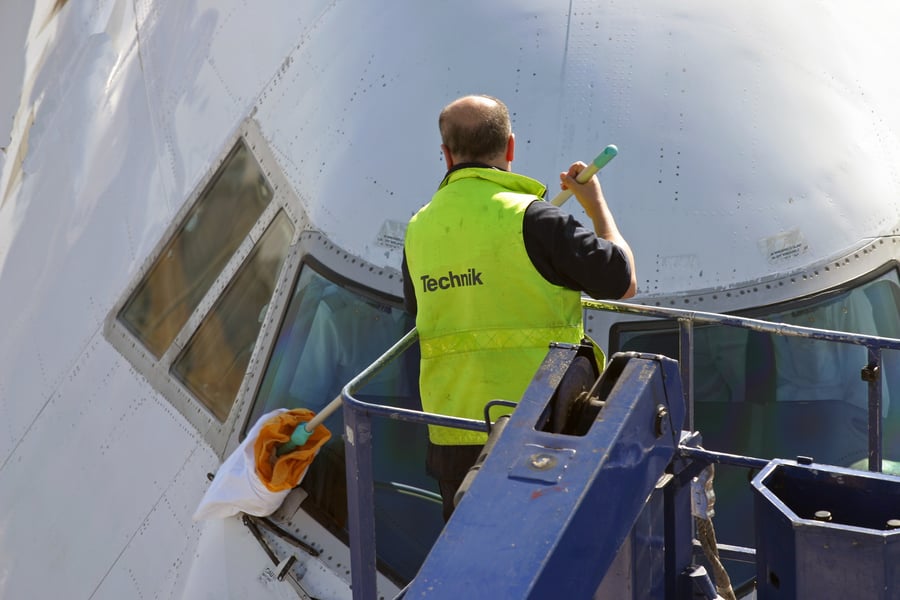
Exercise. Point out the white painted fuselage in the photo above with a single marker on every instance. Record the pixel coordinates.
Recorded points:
(759, 163)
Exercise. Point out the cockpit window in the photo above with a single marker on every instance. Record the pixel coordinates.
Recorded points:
(189, 264)
(213, 363)
(329, 334)
(770, 396)
(197, 312)
(809, 393)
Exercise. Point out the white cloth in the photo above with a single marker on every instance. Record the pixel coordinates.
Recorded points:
(237, 487)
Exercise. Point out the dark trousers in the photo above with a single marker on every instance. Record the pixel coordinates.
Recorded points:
(449, 465)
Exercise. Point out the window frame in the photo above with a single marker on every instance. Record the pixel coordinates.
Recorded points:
(649, 324)
(157, 371)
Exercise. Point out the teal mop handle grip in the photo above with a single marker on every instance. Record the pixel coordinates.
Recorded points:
(304, 430)
(598, 163)
(298, 438)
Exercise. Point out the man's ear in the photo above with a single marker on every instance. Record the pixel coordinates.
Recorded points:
(511, 147)
(448, 157)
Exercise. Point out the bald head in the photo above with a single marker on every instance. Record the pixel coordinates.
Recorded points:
(476, 129)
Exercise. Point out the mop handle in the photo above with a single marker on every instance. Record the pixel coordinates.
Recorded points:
(323, 414)
(598, 163)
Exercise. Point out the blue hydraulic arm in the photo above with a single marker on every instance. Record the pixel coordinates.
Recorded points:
(548, 512)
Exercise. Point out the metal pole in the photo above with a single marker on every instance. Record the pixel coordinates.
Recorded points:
(872, 375)
(360, 502)
(686, 362)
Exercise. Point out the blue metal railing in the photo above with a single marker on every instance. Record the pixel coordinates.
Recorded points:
(358, 416)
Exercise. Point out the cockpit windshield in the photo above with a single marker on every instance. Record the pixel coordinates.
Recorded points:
(755, 394)
(809, 393)
(329, 334)
(769, 396)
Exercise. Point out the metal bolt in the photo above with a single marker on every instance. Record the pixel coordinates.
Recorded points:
(542, 462)
(893, 524)
(822, 515)
(870, 373)
(662, 416)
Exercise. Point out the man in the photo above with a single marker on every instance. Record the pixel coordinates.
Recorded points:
(494, 275)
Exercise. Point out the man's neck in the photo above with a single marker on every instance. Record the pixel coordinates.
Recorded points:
(472, 165)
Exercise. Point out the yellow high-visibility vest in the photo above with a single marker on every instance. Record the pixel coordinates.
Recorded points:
(485, 315)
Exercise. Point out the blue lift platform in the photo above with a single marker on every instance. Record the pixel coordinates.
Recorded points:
(586, 493)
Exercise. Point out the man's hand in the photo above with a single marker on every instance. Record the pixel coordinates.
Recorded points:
(590, 196)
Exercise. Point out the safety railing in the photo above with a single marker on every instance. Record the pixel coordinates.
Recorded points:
(871, 372)
(358, 416)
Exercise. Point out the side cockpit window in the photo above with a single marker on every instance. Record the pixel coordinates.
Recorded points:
(192, 260)
(192, 319)
(213, 363)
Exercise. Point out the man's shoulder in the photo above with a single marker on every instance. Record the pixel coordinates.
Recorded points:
(543, 216)
(543, 209)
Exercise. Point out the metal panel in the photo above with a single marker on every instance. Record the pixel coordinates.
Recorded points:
(529, 537)
(823, 532)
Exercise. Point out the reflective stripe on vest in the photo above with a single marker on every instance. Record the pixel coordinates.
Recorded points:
(494, 339)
